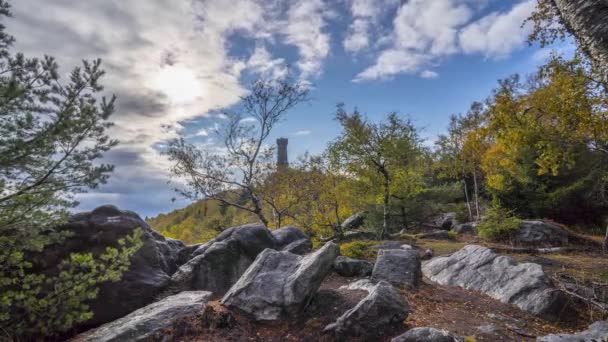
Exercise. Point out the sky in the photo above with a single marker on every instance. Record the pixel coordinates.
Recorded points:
(175, 66)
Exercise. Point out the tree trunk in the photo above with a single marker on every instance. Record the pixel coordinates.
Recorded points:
(466, 196)
(476, 188)
(384, 232)
(587, 21)
(605, 246)
(257, 205)
(404, 217)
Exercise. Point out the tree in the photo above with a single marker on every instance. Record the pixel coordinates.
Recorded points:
(584, 19)
(51, 135)
(246, 160)
(460, 151)
(376, 152)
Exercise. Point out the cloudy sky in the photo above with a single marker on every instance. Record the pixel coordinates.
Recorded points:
(175, 65)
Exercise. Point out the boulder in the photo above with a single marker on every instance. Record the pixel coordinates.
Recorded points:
(381, 308)
(446, 221)
(400, 267)
(292, 239)
(280, 284)
(425, 334)
(540, 234)
(501, 277)
(466, 228)
(146, 324)
(597, 331)
(219, 263)
(353, 222)
(148, 274)
(358, 235)
(348, 267)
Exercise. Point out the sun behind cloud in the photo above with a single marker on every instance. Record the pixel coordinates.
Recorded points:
(179, 84)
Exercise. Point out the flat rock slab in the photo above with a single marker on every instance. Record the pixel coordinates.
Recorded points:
(597, 331)
(382, 307)
(478, 268)
(280, 284)
(425, 334)
(143, 324)
(399, 267)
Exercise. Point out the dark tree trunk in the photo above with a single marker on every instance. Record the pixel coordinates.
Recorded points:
(587, 20)
(384, 232)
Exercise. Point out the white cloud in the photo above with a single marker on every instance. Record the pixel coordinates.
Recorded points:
(429, 74)
(248, 119)
(261, 62)
(305, 28)
(497, 34)
(303, 132)
(427, 31)
(365, 17)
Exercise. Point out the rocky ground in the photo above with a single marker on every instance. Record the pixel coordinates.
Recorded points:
(253, 284)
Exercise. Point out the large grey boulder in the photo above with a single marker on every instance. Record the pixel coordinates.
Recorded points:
(292, 239)
(540, 234)
(150, 267)
(425, 334)
(348, 267)
(501, 277)
(219, 263)
(597, 332)
(381, 308)
(146, 323)
(280, 284)
(400, 267)
(446, 221)
(353, 222)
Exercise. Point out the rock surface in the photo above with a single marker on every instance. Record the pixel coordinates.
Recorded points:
(359, 285)
(400, 267)
(353, 222)
(382, 307)
(280, 284)
(540, 234)
(478, 268)
(219, 263)
(151, 266)
(348, 267)
(292, 239)
(425, 334)
(446, 221)
(466, 228)
(597, 331)
(144, 324)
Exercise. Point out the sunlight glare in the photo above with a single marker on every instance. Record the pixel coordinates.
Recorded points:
(178, 83)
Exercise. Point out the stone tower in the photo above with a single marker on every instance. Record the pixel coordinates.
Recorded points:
(282, 152)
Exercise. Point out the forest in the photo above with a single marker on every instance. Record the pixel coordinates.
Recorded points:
(536, 148)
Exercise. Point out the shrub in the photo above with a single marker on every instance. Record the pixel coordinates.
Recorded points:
(452, 235)
(357, 249)
(34, 304)
(499, 224)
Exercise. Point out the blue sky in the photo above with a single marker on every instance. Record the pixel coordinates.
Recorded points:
(175, 65)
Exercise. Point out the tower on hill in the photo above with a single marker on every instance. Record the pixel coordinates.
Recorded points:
(282, 152)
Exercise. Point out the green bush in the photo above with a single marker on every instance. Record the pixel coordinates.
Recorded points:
(499, 224)
(33, 304)
(452, 235)
(357, 249)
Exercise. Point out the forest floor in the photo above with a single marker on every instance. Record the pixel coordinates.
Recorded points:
(462, 312)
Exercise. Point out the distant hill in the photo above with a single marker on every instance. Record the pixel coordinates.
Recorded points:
(200, 221)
